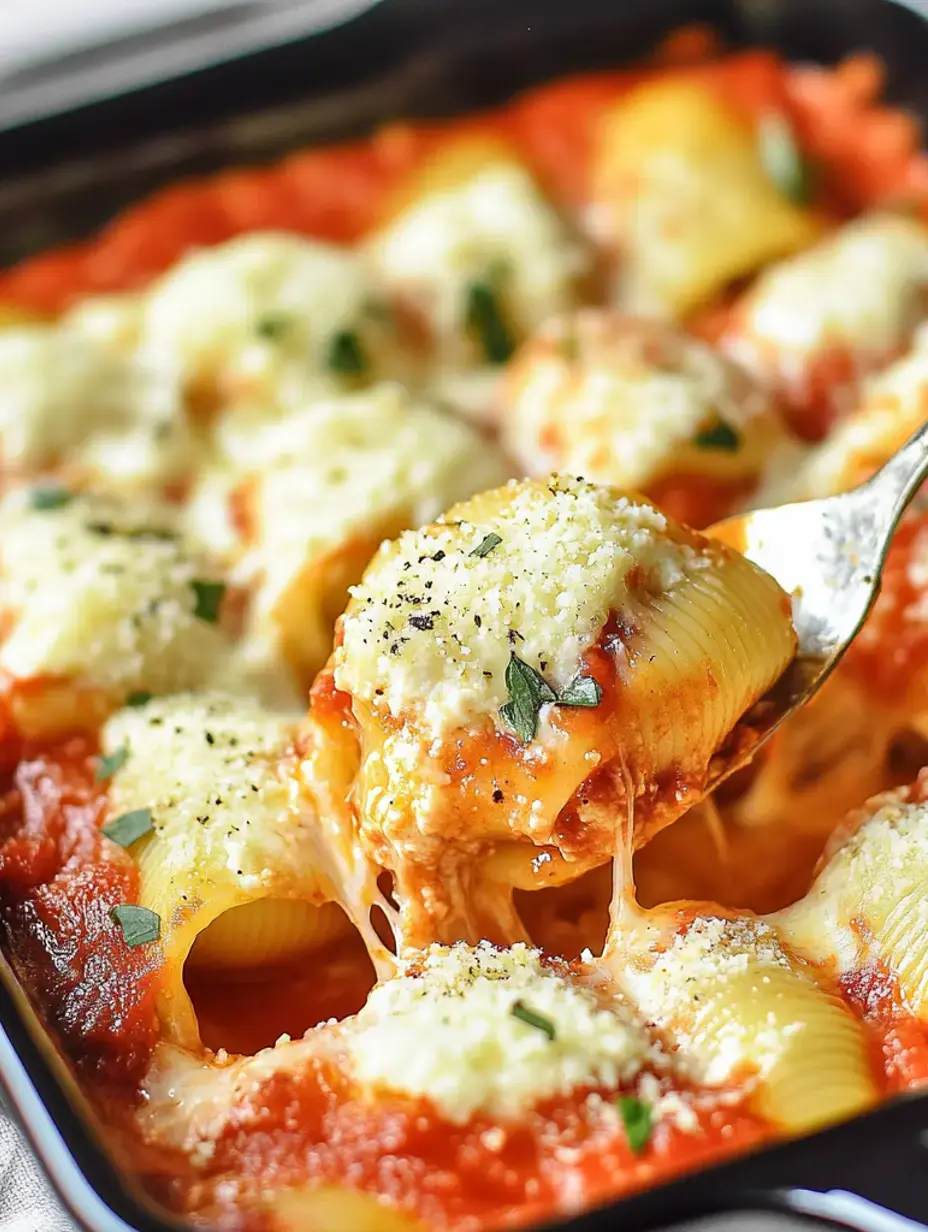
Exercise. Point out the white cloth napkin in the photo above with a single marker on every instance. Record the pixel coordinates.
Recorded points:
(27, 1203)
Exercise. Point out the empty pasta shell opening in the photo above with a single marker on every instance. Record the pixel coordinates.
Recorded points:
(272, 968)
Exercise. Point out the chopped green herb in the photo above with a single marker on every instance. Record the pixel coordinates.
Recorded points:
(108, 764)
(484, 318)
(720, 436)
(128, 827)
(346, 355)
(138, 924)
(528, 692)
(636, 1117)
(209, 599)
(490, 542)
(783, 159)
(272, 325)
(140, 698)
(43, 499)
(531, 1019)
(157, 533)
(581, 691)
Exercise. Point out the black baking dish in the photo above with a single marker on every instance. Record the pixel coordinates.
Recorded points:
(62, 176)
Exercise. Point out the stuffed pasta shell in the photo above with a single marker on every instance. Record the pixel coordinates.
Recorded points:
(636, 403)
(866, 907)
(233, 864)
(300, 505)
(264, 318)
(69, 405)
(513, 680)
(475, 258)
(741, 1008)
(101, 598)
(525, 1056)
(680, 192)
(812, 326)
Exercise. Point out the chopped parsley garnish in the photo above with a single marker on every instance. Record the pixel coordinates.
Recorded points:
(581, 691)
(157, 533)
(128, 827)
(490, 542)
(783, 159)
(720, 436)
(138, 924)
(209, 599)
(44, 499)
(272, 325)
(346, 355)
(484, 319)
(531, 1019)
(139, 698)
(636, 1117)
(108, 764)
(528, 692)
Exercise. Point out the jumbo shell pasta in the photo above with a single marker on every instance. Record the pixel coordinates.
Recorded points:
(522, 672)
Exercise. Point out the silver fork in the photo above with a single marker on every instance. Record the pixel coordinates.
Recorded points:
(828, 555)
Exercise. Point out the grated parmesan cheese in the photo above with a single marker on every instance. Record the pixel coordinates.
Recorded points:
(479, 1057)
(432, 625)
(210, 769)
(684, 979)
(622, 399)
(875, 878)
(102, 589)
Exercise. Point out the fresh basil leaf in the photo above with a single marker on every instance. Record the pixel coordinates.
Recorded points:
(108, 764)
(638, 1122)
(484, 548)
(528, 692)
(138, 924)
(720, 436)
(272, 326)
(45, 499)
(128, 827)
(581, 691)
(533, 1019)
(484, 318)
(783, 159)
(208, 599)
(140, 698)
(346, 355)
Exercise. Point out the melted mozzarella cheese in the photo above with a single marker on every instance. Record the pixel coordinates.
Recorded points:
(863, 289)
(67, 401)
(433, 624)
(105, 591)
(492, 222)
(257, 313)
(622, 400)
(481, 1057)
(335, 479)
